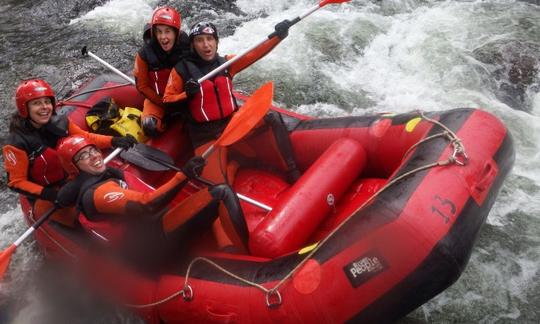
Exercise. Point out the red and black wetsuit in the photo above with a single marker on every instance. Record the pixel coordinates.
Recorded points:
(146, 220)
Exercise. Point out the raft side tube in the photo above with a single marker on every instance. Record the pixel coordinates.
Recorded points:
(308, 201)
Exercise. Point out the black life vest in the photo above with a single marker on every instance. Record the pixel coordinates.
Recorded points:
(216, 100)
(160, 63)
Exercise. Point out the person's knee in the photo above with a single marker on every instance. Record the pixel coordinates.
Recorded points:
(151, 126)
(273, 118)
(222, 192)
(234, 217)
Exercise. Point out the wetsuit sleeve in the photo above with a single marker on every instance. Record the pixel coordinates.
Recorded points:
(101, 141)
(143, 83)
(16, 164)
(110, 198)
(174, 91)
(256, 54)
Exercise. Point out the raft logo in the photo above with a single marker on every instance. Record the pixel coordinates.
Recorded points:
(113, 196)
(366, 267)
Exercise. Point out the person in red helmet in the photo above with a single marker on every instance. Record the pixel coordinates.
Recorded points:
(107, 202)
(212, 102)
(154, 62)
(30, 157)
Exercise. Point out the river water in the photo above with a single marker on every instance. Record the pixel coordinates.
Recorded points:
(358, 58)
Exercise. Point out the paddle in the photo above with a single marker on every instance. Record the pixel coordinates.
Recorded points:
(86, 52)
(243, 121)
(293, 22)
(139, 154)
(5, 256)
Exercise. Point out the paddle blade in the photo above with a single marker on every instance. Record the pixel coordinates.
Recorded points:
(147, 150)
(5, 258)
(249, 115)
(136, 158)
(325, 2)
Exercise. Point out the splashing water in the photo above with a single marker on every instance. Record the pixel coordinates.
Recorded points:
(358, 58)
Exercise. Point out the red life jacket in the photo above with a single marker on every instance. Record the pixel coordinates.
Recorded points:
(46, 169)
(159, 79)
(161, 64)
(214, 101)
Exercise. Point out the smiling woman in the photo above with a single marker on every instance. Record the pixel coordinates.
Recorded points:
(40, 111)
(30, 158)
(153, 64)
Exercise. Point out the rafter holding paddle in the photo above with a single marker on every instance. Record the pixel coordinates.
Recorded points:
(233, 132)
(5, 256)
(250, 49)
(242, 122)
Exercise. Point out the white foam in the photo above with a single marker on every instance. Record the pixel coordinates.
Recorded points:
(11, 226)
(119, 16)
(275, 6)
(536, 104)
(321, 110)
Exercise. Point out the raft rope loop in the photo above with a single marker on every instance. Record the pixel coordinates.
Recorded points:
(272, 296)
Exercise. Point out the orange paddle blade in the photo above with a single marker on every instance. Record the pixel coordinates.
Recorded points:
(249, 115)
(5, 258)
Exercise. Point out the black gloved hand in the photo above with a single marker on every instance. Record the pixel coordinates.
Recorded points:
(48, 193)
(124, 142)
(193, 168)
(192, 87)
(67, 195)
(282, 29)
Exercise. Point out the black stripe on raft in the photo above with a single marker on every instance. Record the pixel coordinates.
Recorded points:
(446, 262)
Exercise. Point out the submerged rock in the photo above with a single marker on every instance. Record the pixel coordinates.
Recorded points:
(514, 67)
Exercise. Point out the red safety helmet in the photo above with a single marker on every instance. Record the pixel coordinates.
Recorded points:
(68, 148)
(29, 90)
(166, 16)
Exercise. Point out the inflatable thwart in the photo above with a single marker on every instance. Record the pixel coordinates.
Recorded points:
(382, 219)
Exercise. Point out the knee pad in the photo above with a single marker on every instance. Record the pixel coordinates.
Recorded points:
(273, 118)
(233, 222)
(281, 135)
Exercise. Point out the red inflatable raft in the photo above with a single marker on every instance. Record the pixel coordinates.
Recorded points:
(383, 218)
